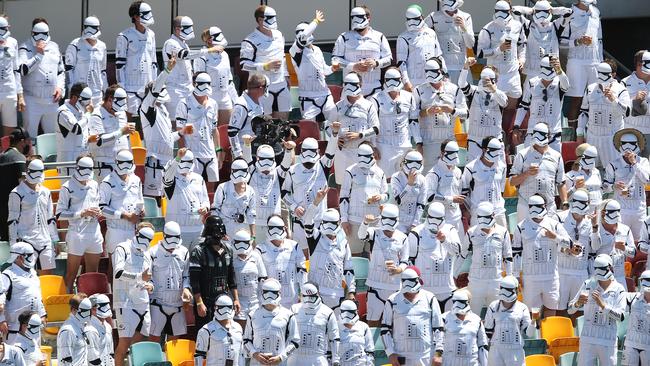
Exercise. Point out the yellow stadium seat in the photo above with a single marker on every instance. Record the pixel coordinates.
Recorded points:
(53, 185)
(556, 327)
(139, 155)
(47, 353)
(179, 351)
(510, 191)
(562, 345)
(628, 269)
(163, 206)
(136, 140)
(293, 76)
(307, 265)
(540, 360)
(55, 300)
(157, 237)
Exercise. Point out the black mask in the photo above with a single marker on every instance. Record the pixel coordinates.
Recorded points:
(308, 165)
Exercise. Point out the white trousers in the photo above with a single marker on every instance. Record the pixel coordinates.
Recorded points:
(591, 353)
(42, 112)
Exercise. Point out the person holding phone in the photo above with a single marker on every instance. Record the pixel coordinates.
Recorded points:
(443, 184)
(235, 201)
(409, 189)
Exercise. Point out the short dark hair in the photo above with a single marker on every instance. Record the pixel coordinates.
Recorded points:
(259, 12)
(39, 20)
(110, 91)
(638, 56)
(486, 141)
(76, 88)
(444, 144)
(134, 10)
(24, 317)
(76, 300)
(177, 21)
(612, 63)
(18, 135)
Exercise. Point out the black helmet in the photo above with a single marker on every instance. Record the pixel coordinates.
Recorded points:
(214, 228)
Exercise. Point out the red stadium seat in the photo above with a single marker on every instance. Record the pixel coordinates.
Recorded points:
(139, 171)
(333, 198)
(362, 306)
(462, 280)
(336, 92)
(638, 268)
(307, 128)
(569, 150)
(5, 142)
(92, 283)
(631, 285)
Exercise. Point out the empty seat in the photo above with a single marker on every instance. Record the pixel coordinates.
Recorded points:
(179, 350)
(569, 359)
(535, 346)
(92, 283)
(540, 360)
(562, 345)
(307, 128)
(46, 146)
(144, 352)
(556, 327)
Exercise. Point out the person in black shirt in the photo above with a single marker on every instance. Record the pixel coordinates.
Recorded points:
(12, 167)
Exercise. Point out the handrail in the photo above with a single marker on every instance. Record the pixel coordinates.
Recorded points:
(619, 64)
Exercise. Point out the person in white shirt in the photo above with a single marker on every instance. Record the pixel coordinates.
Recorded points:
(43, 78)
(79, 206)
(135, 54)
(11, 96)
(72, 132)
(357, 346)
(409, 191)
(101, 321)
(28, 339)
(316, 101)
(246, 108)
(12, 355)
(262, 52)
(85, 59)
(235, 201)
(220, 342)
(587, 176)
(465, 342)
(602, 298)
(363, 50)
(73, 346)
(638, 87)
(217, 65)
(543, 38)
(250, 273)
(443, 183)
(637, 337)
(455, 32)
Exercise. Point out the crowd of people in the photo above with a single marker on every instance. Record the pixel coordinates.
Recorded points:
(262, 257)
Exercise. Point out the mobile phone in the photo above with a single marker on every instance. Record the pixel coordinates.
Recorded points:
(508, 41)
(401, 360)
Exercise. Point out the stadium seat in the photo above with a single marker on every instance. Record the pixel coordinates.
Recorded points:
(580, 322)
(295, 102)
(5, 142)
(462, 157)
(139, 154)
(360, 266)
(307, 128)
(512, 223)
(562, 345)
(53, 183)
(157, 237)
(336, 91)
(638, 268)
(462, 280)
(47, 352)
(46, 146)
(55, 300)
(5, 249)
(362, 303)
(631, 285)
(151, 208)
(556, 327)
(142, 353)
(92, 283)
(380, 351)
(569, 150)
(569, 359)
(293, 76)
(535, 346)
(179, 350)
(540, 360)
(139, 171)
(136, 140)
(628, 269)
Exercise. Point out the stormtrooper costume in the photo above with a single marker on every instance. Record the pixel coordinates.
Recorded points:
(465, 341)
(360, 117)
(217, 65)
(41, 76)
(73, 130)
(31, 216)
(591, 176)
(415, 47)
(503, 28)
(330, 258)
(130, 296)
(236, 210)
(86, 63)
(118, 196)
(490, 249)
(598, 336)
(454, 40)
(257, 51)
(21, 287)
(637, 338)
(318, 330)
(10, 78)
(357, 347)
(170, 265)
(285, 262)
(29, 342)
(352, 47)
(410, 199)
(639, 117)
(179, 82)
(158, 132)
(385, 252)
(77, 195)
(635, 176)
(304, 179)
(244, 111)
(362, 181)
(135, 58)
(316, 101)
(543, 103)
(443, 182)
(644, 241)
(572, 268)
(543, 38)
(582, 58)
(481, 182)
(506, 326)
(397, 121)
(108, 126)
(266, 179)
(549, 177)
(599, 117)
(271, 332)
(73, 343)
(484, 112)
(434, 128)
(536, 255)
(13, 356)
(204, 120)
(412, 329)
(251, 272)
(103, 328)
(435, 257)
(186, 195)
(218, 344)
(604, 242)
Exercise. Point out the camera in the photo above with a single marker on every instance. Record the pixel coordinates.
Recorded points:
(272, 132)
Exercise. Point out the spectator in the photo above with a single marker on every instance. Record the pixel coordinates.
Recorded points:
(12, 88)
(70, 351)
(85, 60)
(219, 342)
(72, 132)
(12, 168)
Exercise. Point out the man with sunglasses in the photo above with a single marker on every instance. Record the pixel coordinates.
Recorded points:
(542, 101)
(72, 130)
(220, 342)
(28, 339)
(85, 60)
(11, 96)
(409, 188)
(246, 108)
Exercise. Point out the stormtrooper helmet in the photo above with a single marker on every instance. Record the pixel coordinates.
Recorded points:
(502, 13)
(171, 236)
(612, 212)
(34, 326)
(119, 100)
(411, 281)
(24, 250)
(629, 142)
(265, 160)
(540, 134)
(84, 311)
(645, 62)
(588, 159)
(352, 84)
(536, 207)
(40, 32)
(186, 164)
(270, 21)
(412, 161)
(143, 238)
(271, 292)
(435, 216)
(241, 241)
(579, 202)
(414, 19)
(103, 304)
(349, 314)
(202, 84)
(309, 151)
(604, 74)
(359, 18)
(644, 281)
(433, 71)
(485, 215)
(508, 289)
(35, 172)
(224, 308)
(309, 295)
(300, 38)
(365, 156)
(451, 6)
(330, 222)
(603, 267)
(239, 171)
(389, 217)
(4, 28)
(91, 28)
(84, 170)
(146, 15)
(392, 80)
(217, 37)
(493, 150)
(124, 162)
(460, 302)
(276, 230)
(547, 71)
(187, 29)
(85, 97)
(542, 15)
(487, 74)
(449, 154)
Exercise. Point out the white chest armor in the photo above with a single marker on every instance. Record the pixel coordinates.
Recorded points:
(593, 184)
(281, 264)
(31, 350)
(125, 197)
(545, 181)
(634, 85)
(314, 332)
(635, 200)
(354, 118)
(204, 119)
(385, 249)
(539, 256)
(488, 253)
(607, 246)
(437, 127)
(579, 24)
(183, 206)
(139, 50)
(217, 65)
(71, 142)
(327, 264)
(448, 184)
(105, 332)
(506, 61)
(305, 183)
(234, 204)
(508, 325)
(89, 67)
(160, 141)
(8, 64)
(488, 184)
(540, 42)
(102, 122)
(353, 344)
(546, 107)
(169, 274)
(638, 330)
(80, 198)
(450, 38)
(599, 327)
(412, 328)
(358, 48)
(264, 49)
(248, 276)
(42, 81)
(394, 118)
(25, 295)
(311, 73)
(460, 346)
(434, 260)
(72, 337)
(222, 344)
(365, 183)
(421, 47)
(408, 202)
(267, 187)
(569, 263)
(270, 329)
(605, 117)
(126, 295)
(180, 77)
(484, 120)
(32, 223)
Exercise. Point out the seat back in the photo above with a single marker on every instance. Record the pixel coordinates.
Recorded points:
(307, 128)
(361, 266)
(135, 139)
(556, 327)
(462, 157)
(5, 249)
(336, 91)
(142, 353)
(562, 345)
(157, 237)
(47, 353)
(535, 346)
(46, 146)
(179, 350)
(139, 154)
(569, 359)
(540, 360)
(362, 301)
(151, 208)
(512, 222)
(52, 285)
(580, 322)
(93, 283)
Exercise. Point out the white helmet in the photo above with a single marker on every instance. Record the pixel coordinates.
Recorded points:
(460, 302)
(24, 250)
(351, 84)
(84, 170)
(508, 289)
(629, 142)
(603, 267)
(392, 80)
(536, 207)
(143, 238)
(579, 202)
(276, 230)
(330, 222)
(359, 18)
(604, 73)
(40, 32)
(217, 37)
(493, 150)
(265, 159)
(540, 134)
(146, 15)
(485, 215)
(588, 159)
(644, 281)
(487, 73)
(241, 241)
(433, 71)
(35, 172)
(186, 165)
(124, 162)
(435, 216)
(224, 308)
(450, 155)
(365, 156)
(171, 236)
(309, 151)
(451, 5)
(411, 281)
(542, 13)
(309, 295)
(239, 171)
(270, 21)
(187, 29)
(645, 62)
(271, 292)
(502, 13)
(349, 314)
(91, 28)
(412, 160)
(119, 100)
(300, 38)
(84, 311)
(4, 28)
(103, 304)
(414, 19)
(612, 212)
(34, 325)
(203, 84)
(85, 97)
(389, 217)
(547, 71)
